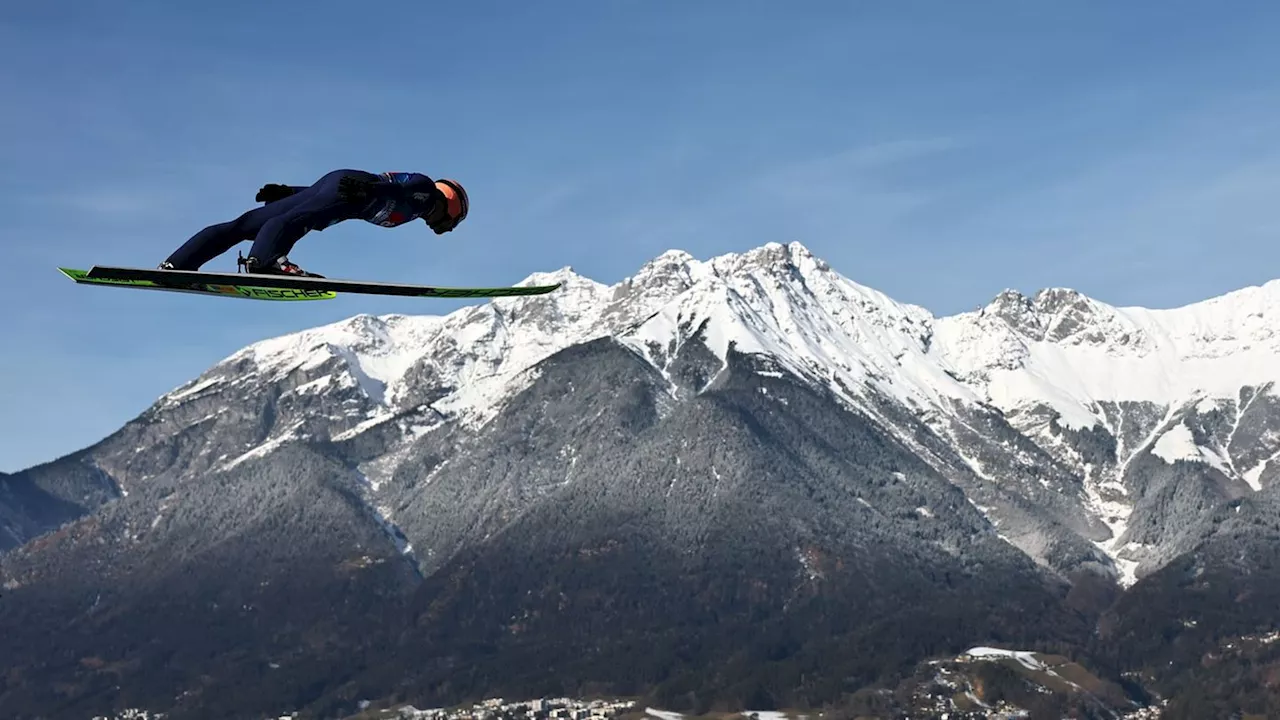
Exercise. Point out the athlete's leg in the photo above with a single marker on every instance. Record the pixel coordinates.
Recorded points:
(218, 239)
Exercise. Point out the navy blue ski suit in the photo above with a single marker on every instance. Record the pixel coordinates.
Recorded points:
(395, 199)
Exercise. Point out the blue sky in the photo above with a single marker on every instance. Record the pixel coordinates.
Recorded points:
(940, 152)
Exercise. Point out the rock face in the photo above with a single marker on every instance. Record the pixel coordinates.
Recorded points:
(712, 482)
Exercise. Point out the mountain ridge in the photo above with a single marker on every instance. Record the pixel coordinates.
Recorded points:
(739, 445)
(783, 301)
(1057, 358)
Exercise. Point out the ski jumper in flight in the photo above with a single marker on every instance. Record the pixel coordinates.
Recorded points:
(290, 211)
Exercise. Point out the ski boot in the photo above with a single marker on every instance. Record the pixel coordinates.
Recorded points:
(281, 266)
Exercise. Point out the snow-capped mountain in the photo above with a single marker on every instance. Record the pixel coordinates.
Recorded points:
(753, 438)
(1060, 393)
(1195, 384)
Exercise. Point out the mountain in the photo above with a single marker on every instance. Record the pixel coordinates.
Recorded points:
(43, 498)
(739, 482)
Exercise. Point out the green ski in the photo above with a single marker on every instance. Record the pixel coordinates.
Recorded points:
(283, 287)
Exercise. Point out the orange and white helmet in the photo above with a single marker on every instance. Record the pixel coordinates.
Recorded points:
(456, 206)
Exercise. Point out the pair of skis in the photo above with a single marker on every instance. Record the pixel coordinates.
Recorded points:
(276, 287)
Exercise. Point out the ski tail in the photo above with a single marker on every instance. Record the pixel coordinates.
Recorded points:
(249, 291)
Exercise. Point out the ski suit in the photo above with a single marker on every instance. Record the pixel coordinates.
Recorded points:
(394, 199)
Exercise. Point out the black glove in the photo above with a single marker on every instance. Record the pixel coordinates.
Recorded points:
(272, 192)
(438, 219)
(354, 189)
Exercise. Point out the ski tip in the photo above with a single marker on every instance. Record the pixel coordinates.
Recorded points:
(538, 289)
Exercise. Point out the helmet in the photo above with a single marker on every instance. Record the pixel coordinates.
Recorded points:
(455, 206)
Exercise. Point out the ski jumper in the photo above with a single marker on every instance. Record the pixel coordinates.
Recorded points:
(395, 198)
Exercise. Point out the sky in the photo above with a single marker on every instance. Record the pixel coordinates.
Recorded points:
(939, 152)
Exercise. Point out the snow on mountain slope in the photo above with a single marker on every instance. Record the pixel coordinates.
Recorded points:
(1070, 352)
(782, 301)
(474, 350)
(1180, 444)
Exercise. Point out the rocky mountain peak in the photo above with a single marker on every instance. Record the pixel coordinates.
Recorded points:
(1064, 315)
(1069, 315)
(775, 259)
(1017, 310)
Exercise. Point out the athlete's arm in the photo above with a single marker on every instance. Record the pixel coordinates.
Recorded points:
(408, 183)
(389, 186)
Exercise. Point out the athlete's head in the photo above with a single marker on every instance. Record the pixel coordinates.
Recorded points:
(450, 206)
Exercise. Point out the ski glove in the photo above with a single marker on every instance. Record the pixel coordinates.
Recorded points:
(272, 192)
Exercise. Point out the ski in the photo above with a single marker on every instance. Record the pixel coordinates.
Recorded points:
(286, 287)
(250, 291)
